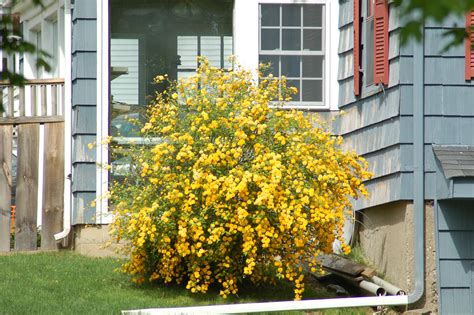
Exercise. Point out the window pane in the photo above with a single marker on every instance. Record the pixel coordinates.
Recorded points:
(291, 15)
(312, 15)
(270, 39)
(296, 84)
(228, 51)
(313, 66)
(270, 14)
(290, 66)
(312, 40)
(291, 39)
(187, 52)
(312, 91)
(274, 66)
(124, 55)
(369, 53)
(211, 49)
(151, 37)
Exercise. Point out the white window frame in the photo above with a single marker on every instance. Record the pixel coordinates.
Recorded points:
(40, 20)
(246, 43)
(245, 35)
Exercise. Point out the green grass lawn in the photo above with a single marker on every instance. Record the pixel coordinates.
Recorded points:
(67, 283)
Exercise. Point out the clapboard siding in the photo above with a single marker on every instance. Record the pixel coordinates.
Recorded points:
(346, 14)
(84, 9)
(84, 105)
(85, 36)
(385, 189)
(81, 151)
(464, 187)
(85, 92)
(449, 130)
(85, 177)
(376, 108)
(456, 273)
(82, 208)
(84, 65)
(449, 101)
(455, 247)
(84, 120)
(379, 136)
(372, 124)
(452, 70)
(454, 301)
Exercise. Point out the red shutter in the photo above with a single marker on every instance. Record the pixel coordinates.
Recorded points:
(16, 23)
(469, 43)
(381, 42)
(356, 47)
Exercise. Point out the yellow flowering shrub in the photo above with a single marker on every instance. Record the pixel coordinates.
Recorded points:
(234, 187)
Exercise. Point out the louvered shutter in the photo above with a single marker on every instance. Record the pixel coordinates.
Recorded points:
(381, 42)
(16, 23)
(469, 48)
(356, 47)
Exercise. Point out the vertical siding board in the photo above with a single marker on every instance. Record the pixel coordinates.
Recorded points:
(53, 202)
(6, 133)
(27, 187)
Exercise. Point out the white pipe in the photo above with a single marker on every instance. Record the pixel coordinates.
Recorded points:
(372, 288)
(67, 123)
(390, 288)
(278, 306)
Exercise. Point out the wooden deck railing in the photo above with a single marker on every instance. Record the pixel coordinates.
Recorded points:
(40, 100)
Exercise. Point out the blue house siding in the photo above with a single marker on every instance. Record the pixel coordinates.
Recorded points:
(84, 109)
(378, 125)
(456, 256)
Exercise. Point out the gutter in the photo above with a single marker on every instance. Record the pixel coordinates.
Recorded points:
(67, 123)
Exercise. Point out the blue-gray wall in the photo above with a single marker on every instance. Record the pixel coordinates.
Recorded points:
(456, 256)
(84, 109)
(378, 124)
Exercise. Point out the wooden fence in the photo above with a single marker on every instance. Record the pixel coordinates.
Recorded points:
(32, 142)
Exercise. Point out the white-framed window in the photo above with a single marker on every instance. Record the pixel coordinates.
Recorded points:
(292, 41)
(299, 38)
(43, 27)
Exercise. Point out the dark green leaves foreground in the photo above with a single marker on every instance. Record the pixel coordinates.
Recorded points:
(67, 283)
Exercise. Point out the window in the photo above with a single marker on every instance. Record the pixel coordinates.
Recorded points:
(376, 46)
(369, 45)
(217, 49)
(292, 41)
(152, 37)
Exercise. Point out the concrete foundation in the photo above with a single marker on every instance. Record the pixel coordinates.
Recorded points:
(90, 240)
(385, 235)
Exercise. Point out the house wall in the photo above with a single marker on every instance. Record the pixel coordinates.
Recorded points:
(456, 256)
(84, 110)
(387, 241)
(378, 125)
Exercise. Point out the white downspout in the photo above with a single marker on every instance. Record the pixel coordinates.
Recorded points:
(67, 122)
